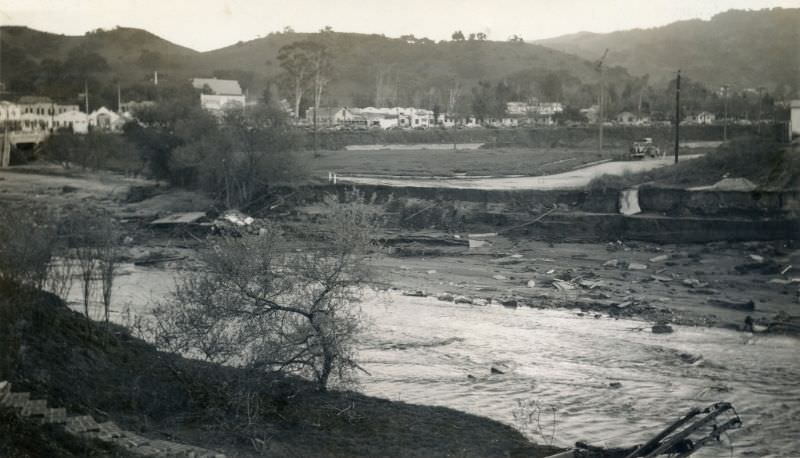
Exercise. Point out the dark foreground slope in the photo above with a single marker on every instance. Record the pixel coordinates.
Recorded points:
(105, 372)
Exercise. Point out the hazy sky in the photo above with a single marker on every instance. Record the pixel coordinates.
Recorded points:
(210, 24)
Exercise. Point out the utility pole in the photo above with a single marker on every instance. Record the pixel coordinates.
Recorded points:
(677, 114)
(86, 95)
(760, 99)
(601, 113)
(119, 99)
(725, 121)
(601, 109)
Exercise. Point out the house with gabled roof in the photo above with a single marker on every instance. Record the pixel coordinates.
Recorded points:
(217, 95)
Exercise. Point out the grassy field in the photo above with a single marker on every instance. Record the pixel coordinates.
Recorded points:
(481, 162)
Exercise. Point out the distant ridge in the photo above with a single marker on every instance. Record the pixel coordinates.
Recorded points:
(746, 49)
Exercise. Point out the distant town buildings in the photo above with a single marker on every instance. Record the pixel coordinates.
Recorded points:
(218, 95)
(369, 117)
(41, 115)
(531, 113)
(705, 117)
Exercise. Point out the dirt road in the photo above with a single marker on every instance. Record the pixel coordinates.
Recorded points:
(568, 180)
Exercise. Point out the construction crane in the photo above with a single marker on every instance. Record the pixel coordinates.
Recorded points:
(601, 110)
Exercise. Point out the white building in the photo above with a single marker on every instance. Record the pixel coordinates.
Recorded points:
(75, 120)
(704, 117)
(218, 95)
(794, 120)
(105, 119)
(10, 114)
(38, 113)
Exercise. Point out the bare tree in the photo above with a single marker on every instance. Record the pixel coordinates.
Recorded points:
(454, 94)
(86, 259)
(27, 243)
(263, 305)
(107, 254)
(294, 60)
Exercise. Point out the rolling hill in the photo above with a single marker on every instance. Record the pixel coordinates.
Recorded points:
(369, 69)
(747, 49)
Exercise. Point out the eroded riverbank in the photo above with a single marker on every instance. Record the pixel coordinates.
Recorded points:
(427, 351)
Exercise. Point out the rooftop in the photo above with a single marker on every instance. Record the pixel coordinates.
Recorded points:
(217, 86)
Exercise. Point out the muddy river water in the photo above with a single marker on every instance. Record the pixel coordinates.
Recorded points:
(421, 350)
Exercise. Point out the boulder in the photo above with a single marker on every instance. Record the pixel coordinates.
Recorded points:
(662, 329)
(446, 297)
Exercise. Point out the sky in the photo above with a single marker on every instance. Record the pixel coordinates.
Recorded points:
(210, 24)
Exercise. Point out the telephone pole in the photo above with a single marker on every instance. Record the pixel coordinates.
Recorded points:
(601, 107)
(677, 114)
(725, 121)
(760, 100)
(86, 95)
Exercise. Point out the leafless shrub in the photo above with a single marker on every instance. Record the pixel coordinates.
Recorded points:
(94, 242)
(27, 243)
(537, 420)
(262, 305)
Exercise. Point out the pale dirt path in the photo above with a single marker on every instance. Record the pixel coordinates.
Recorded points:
(574, 179)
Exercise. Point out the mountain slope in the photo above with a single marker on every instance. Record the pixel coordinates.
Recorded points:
(415, 70)
(746, 49)
(369, 69)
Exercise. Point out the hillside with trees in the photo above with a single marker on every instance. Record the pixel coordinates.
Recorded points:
(744, 49)
(367, 69)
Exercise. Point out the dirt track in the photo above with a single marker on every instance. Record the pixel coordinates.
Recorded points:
(574, 179)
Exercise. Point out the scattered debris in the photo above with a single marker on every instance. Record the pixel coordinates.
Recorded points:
(660, 258)
(615, 385)
(562, 285)
(694, 283)
(683, 437)
(416, 293)
(445, 297)
(637, 266)
(611, 263)
(509, 302)
(237, 218)
(766, 267)
(478, 243)
(462, 300)
(733, 305)
(728, 184)
(531, 283)
(499, 277)
(179, 219)
(757, 258)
